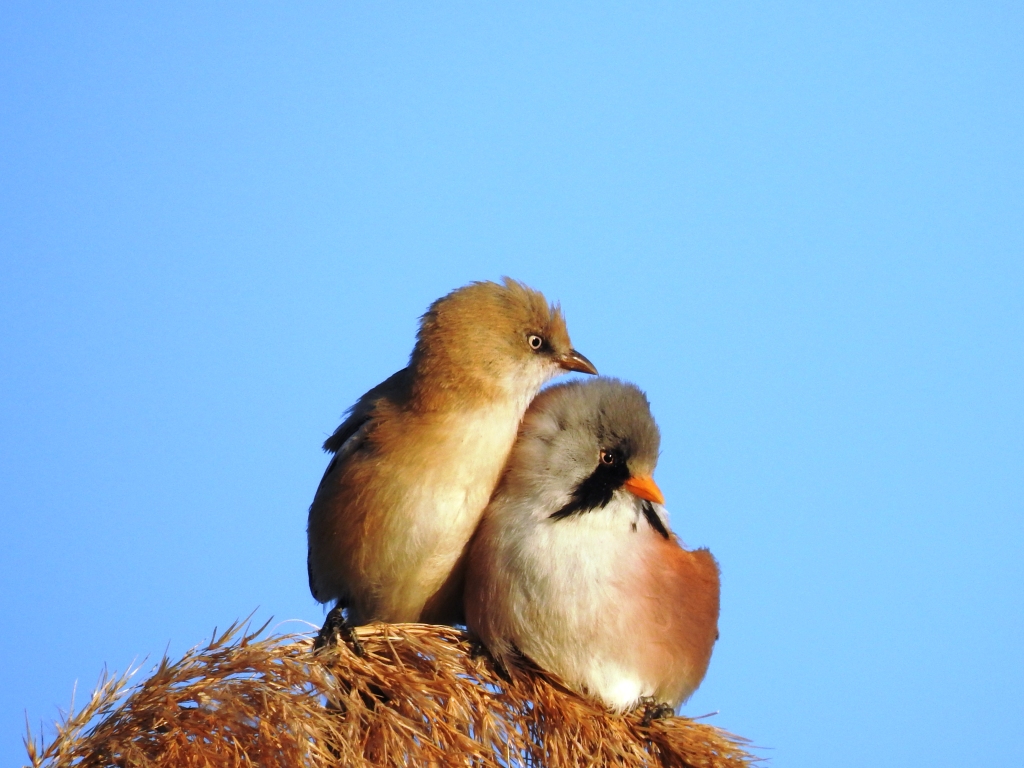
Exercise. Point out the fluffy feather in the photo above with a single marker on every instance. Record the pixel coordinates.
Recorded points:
(600, 597)
(418, 455)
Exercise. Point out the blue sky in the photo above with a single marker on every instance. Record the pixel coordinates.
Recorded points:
(797, 226)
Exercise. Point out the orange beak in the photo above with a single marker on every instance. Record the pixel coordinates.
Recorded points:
(574, 361)
(645, 488)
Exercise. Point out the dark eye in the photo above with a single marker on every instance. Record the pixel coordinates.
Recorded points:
(535, 341)
(609, 458)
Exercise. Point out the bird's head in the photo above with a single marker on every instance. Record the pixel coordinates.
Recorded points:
(488, 338)
(583, 443)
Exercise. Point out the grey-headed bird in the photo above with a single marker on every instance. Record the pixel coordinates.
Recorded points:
(418, 456)
(574, 565)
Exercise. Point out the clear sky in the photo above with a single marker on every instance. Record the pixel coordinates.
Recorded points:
(797, 226)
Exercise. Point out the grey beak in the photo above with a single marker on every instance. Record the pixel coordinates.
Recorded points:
(574, 361)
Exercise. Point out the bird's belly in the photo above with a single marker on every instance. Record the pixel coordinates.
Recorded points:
(578, 601)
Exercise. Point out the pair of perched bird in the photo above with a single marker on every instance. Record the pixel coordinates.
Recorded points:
(457, 494)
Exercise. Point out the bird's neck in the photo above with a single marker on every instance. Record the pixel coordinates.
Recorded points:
(440, 385)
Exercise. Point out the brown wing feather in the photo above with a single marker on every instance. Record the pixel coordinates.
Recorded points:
(350, 435)
(396, 388)
(683, 618)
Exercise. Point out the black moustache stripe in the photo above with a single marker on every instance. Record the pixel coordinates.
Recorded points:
(654, 520)
(596, 491)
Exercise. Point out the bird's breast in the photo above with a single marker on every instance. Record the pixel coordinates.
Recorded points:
(448, 484)
(605, 601)
(468, 452)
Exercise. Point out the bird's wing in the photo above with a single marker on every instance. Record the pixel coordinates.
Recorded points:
(395, 388)
(345, 441)
(353, 431)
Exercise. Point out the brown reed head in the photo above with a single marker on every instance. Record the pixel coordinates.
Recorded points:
(421, 695)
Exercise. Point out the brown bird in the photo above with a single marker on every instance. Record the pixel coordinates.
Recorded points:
(418, 456)
(574, 565)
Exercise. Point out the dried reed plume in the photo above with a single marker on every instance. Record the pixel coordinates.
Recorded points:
(422, 695)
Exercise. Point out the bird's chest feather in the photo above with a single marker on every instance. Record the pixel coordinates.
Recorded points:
(583, 561)
(448, 485)
(576, 590)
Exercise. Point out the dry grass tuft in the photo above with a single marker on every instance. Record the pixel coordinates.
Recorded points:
(422, 695)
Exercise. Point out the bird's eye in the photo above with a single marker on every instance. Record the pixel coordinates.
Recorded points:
(535, 341)
(609, 458)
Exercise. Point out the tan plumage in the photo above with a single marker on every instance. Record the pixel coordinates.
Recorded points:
(419, 455)
(573, 564)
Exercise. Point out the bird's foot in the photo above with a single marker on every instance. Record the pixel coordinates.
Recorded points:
(654, 710)
(477, 649)
(336, 629)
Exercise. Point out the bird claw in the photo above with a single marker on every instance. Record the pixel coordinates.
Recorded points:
(477, 650)
(654, 710)
(336, 629)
